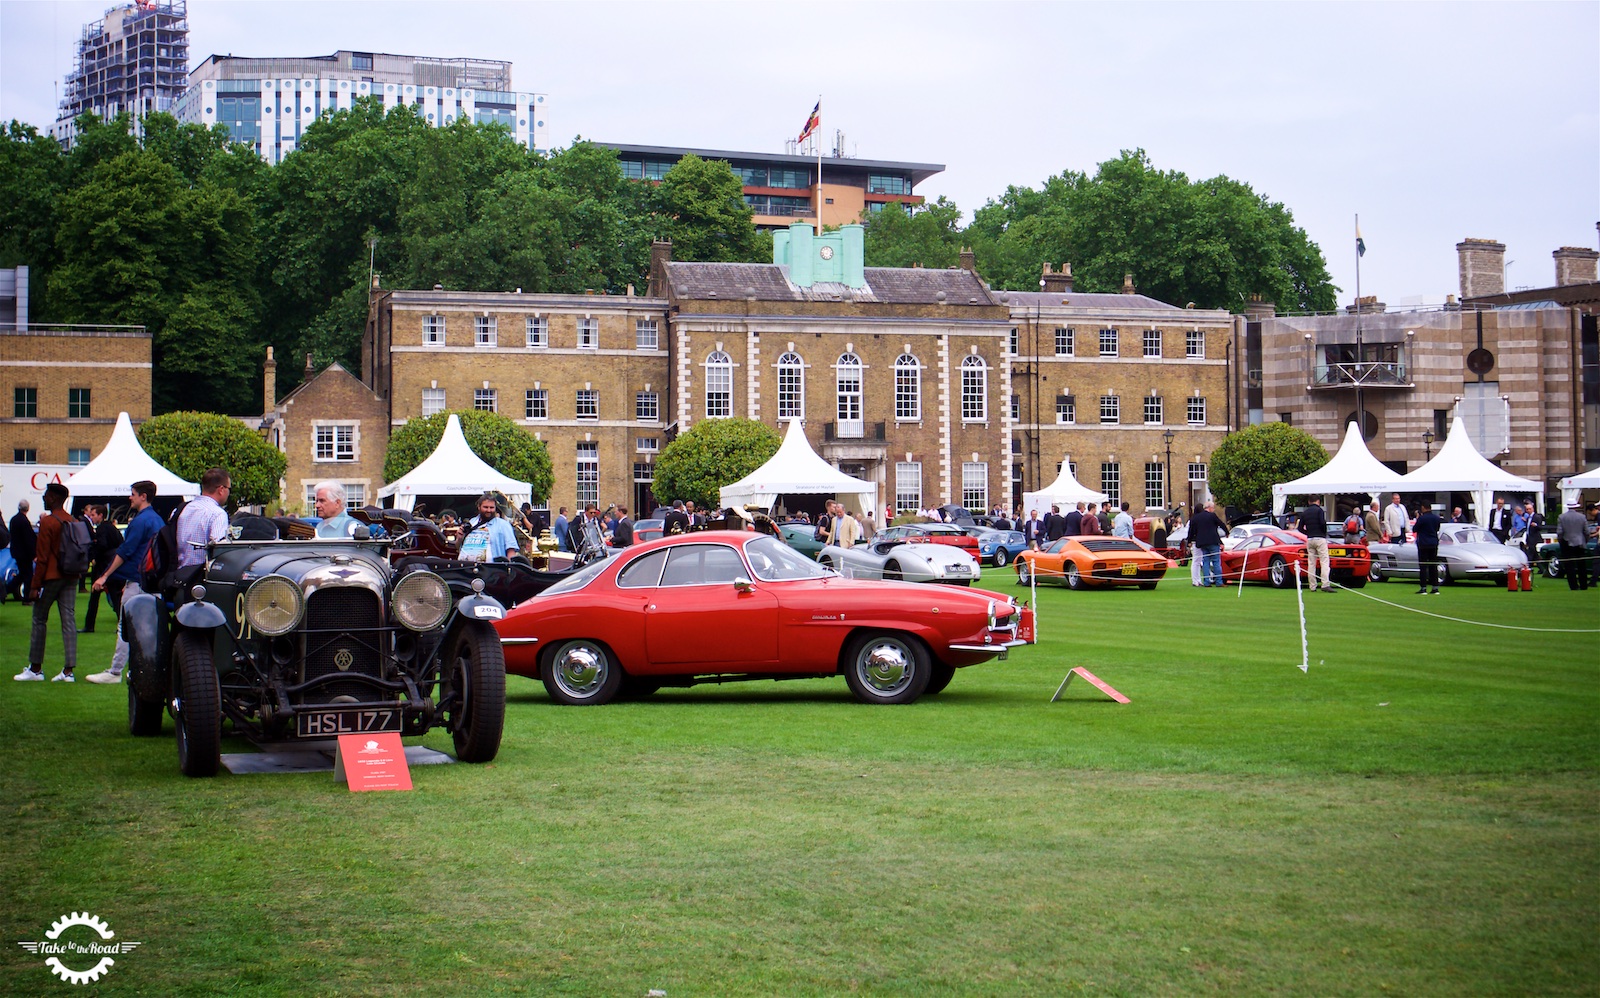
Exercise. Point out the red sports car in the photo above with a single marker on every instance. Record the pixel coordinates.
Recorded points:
(1272, 556)
(719, 606)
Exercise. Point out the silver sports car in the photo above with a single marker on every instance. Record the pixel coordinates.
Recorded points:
(1466, 551)
(893, 558)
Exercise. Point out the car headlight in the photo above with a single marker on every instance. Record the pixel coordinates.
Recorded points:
(273, 605)
(421, 601)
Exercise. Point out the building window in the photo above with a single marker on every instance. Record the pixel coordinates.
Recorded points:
(907, 387)
(1108, 345)
(589, 334)
(432, 401)
(486, 399)
(1066, 409)
(77, 457)
(647, 407)
(848, 391)
(1197, 411)
(26, 405)
(644, 334)
(1152, 410)
(355, 495)
(1111, 480)
(1011, 342)
(1064, 342)
(887, 183)
(334, 443)
(433, 330)
(24, 455)
(77, 403)
(1110, 410)
(588, 477)
(1152, 342)
(1194, 344)
(975, 485)
(487, 331)
(974, 390)
(791, 387)
(647, 445)
(536, 404)
(538, 331)
(719, 385)
(1016, 408)
(907, 485)
(1197, 472)
(1155, 485)
(588, 403)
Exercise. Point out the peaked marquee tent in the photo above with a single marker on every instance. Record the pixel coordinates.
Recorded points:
(1064, 491)
(1458, 467)
(121, 463)
(1574, 484)
(452, 470)
(797, 470)
(1353, 469)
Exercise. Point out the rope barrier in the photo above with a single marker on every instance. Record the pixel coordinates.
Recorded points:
(1464, 620)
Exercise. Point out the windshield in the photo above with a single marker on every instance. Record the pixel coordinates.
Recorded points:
(1468, 535)
(578, 579)
(773, 561)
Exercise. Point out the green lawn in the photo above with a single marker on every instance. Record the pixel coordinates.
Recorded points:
(1415, 815)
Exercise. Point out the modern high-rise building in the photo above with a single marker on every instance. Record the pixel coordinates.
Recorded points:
(270, 102)
(134, 59)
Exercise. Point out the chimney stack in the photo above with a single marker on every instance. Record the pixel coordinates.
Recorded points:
(969, 260)
(310, 369)
(1256, 310)
(1575, 265)
(1483, 267)
(660, 256)
(269, 384)
(1055, 281)
(1127, 285)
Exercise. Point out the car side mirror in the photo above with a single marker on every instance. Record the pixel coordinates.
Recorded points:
(361, 533)
(743, 585)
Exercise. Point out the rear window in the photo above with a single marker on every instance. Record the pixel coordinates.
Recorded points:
(1110, 544)
(642, 573)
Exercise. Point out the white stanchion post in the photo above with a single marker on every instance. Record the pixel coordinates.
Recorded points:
(1299, 598)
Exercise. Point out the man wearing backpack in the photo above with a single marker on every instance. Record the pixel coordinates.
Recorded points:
(124, 573)
(56, 569)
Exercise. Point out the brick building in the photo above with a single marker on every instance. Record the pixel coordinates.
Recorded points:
(332, 427)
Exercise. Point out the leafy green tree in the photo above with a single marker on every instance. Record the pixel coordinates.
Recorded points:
(700, 207)
(1247, 464)
(190, 443)
(713, 453)
(1214, 242)
(505, 446)
(32, 171)
(927, 234)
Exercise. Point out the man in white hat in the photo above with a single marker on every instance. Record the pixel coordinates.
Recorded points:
(1571, 533)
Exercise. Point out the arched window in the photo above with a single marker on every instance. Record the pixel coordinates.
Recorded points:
(791, 387)
(848, 382)
(719, 385)
(974, 390)
(907, 387)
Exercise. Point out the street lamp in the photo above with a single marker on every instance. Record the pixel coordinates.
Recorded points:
(1427, 442)
(1166, 438)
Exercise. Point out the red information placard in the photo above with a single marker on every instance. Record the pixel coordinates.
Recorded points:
(1099, 684)
(372, 762)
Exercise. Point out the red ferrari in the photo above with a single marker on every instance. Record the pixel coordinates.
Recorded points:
(721, 606)
(1273, 555)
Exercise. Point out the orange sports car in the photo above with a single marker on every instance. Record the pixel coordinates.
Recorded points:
(1078, 562)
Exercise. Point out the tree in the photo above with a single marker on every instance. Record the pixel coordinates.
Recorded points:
(713, 453)
(501, 443)
(190, 443)
(1247, 464)
(1214, 242)
(701, 208)
(928, 234)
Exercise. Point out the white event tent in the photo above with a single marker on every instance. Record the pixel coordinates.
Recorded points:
(1458, 467)
(1574, 484)
(452, 470)
(1065, 492)
(1353, 469)
(121, 463)
(797, 470)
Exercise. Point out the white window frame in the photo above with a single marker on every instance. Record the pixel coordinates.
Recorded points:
(1066, 410)
(586, 404)
(1195, 410)
(536, 403)
(907, 485)
(587, 478)
(847, 395)
(589, 334)
(1154, 410)
(974, 389)
(339, 451)
(491, 396)
(1155, 477)
(1152, 342)
(791, 386)
(719, 385)
(646, 334)
(975, 484)
(433, 330)
(538, 332)
(1111, 480)
(1197, 471)
(1066, 342)
(1109, 346)
(1110, 411)
(908, 389)
(647, 407)
(647, 445)
(1194, 344)
(486, 331)
(433, 401)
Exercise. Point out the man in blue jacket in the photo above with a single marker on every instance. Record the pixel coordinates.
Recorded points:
(1426, 530)
(126, 568)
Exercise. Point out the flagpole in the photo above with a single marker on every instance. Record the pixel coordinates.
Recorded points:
(816, 137)
(1361, 412)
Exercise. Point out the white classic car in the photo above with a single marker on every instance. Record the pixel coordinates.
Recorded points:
(1466, 551)
(894, 558)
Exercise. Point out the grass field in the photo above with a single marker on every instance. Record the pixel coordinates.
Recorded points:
(1415, 815)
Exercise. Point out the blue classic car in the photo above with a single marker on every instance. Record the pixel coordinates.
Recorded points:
(1000, 547)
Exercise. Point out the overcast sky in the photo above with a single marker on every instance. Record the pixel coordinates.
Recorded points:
(1432, 121)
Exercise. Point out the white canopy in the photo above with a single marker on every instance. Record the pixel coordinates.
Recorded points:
(1458, 467)
(452, 470)
(1574, 484)
(1353, 469)
(797, 470)
(121, 463)
(1065, 491)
